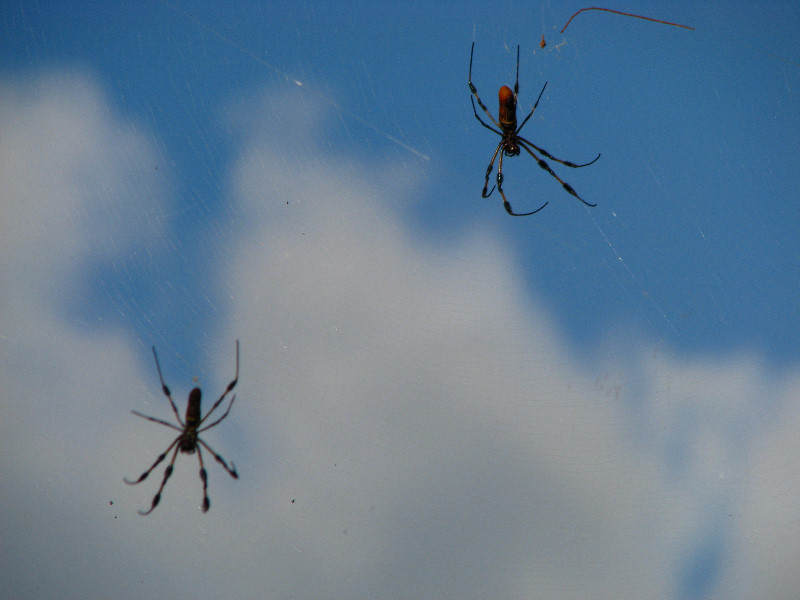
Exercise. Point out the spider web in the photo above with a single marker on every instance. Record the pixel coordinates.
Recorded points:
(435, 399)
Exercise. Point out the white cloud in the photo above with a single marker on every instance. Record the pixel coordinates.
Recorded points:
(417, 405)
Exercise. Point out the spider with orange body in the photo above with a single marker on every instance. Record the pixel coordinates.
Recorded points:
(510, 140)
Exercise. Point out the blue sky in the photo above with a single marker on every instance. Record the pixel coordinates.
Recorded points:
(435, 399)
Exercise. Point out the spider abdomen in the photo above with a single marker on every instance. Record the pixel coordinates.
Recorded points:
(193, 408)
(508, 110)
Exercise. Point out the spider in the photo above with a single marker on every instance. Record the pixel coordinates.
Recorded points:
(188, 441)
(511, 141)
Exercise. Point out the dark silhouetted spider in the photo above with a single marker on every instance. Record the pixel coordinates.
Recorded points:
(511, 141)
(188, 441)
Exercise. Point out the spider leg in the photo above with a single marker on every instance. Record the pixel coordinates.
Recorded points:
(220, 419)
(530, 114)
(155, 464)
(489, 170)
(204, 479)
(489, 127)
(506, 204)
(231, 385)
(231, 470)
(551, 157)
(167, 474)
(165, 389)
(547, 168)
(138, 414)
(475, 92)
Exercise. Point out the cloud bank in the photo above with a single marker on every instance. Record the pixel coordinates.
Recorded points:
(409, 422)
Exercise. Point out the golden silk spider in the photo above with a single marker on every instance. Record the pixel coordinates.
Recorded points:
(189, 441)
(511, 141)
